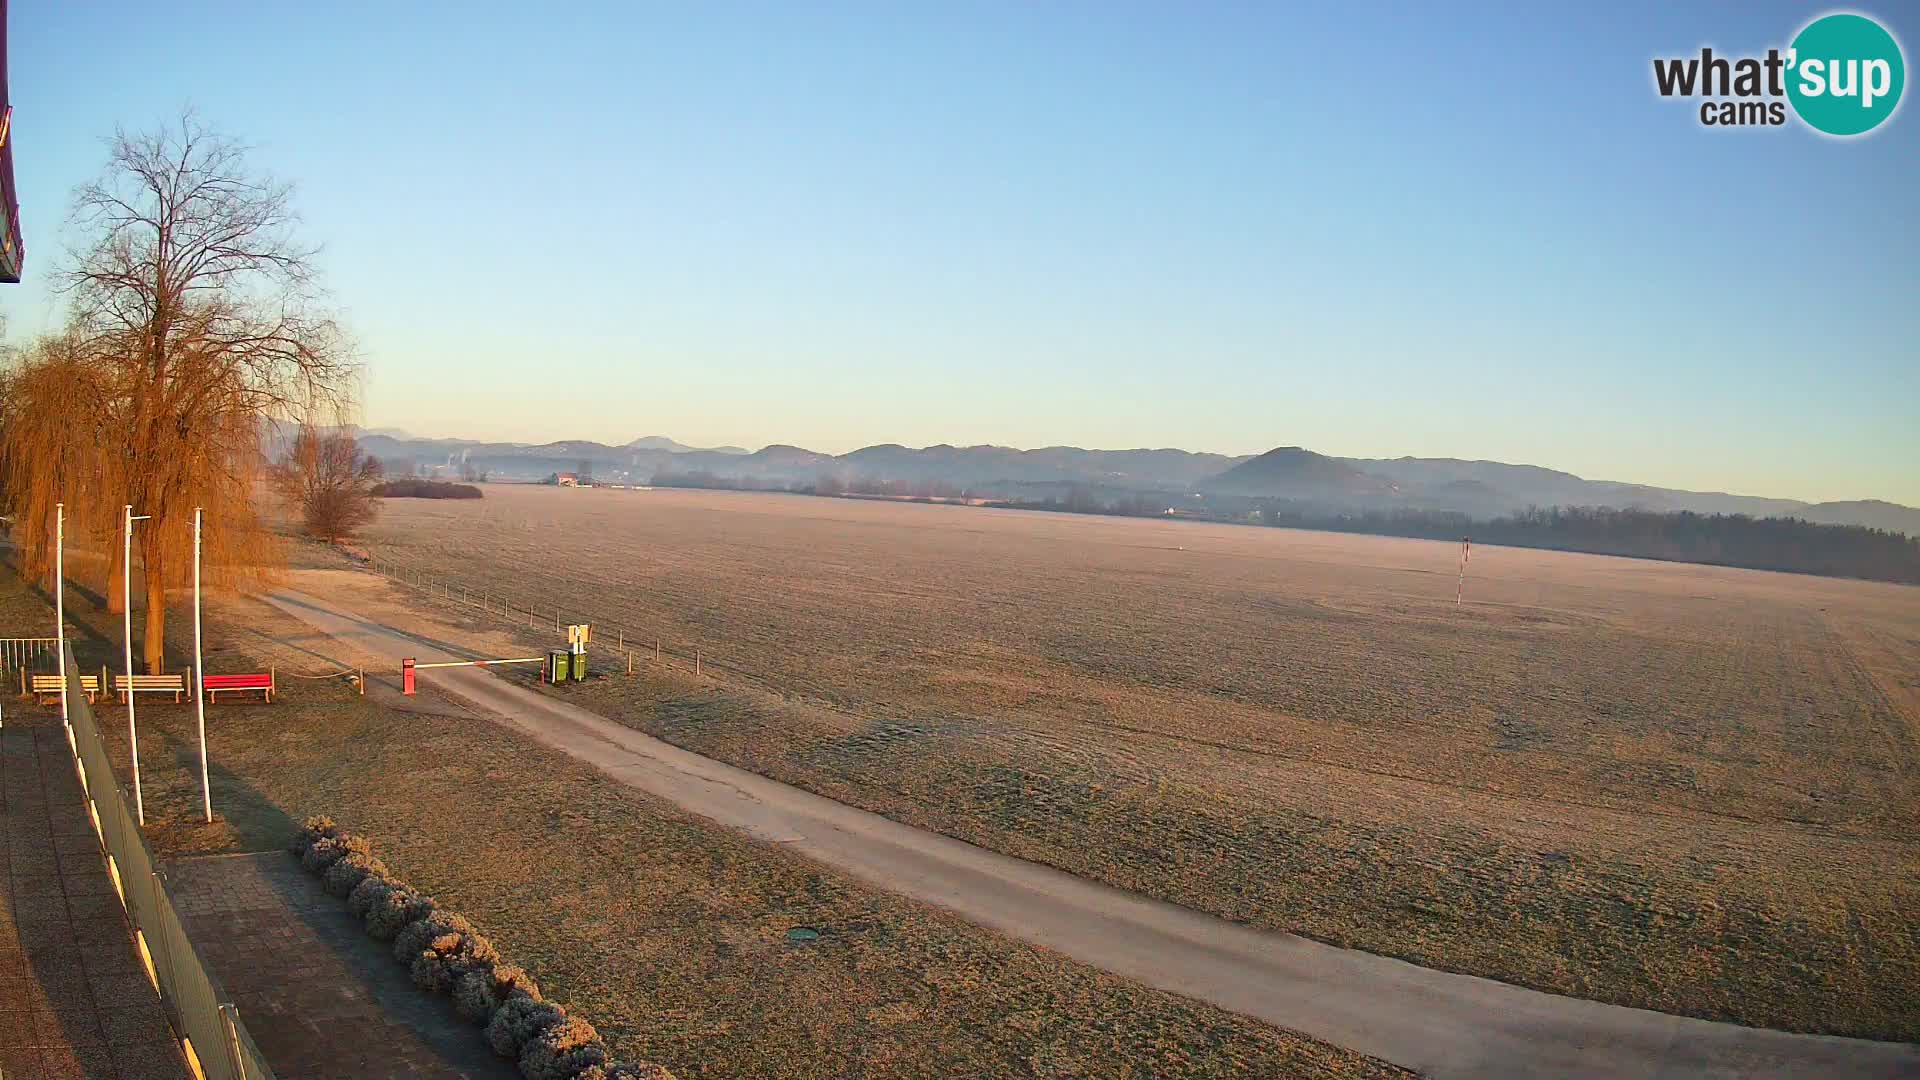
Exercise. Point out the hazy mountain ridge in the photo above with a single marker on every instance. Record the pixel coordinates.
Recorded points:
(1291, 472)
(1481, 489)
(661, 442)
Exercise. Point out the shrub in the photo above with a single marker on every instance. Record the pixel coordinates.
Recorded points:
(562, 1051)
(510, 979)
(474, 998)
(321, 854)
(313, 829)
(517, 1021)
(476, 954)
(431, 972)
(412, 941)
(449, 956)
(372, 889)
(330, 849)
(480, 989)
(400, 908)
(348, 871)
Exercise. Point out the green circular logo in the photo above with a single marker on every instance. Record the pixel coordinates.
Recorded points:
(1845, 74)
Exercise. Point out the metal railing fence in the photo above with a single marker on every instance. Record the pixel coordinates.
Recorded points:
(199, 1009)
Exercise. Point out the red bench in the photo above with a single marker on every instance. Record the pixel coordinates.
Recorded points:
(218, 684)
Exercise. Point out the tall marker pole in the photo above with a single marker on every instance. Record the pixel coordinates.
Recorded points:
(199, 676)
(60, 606)
(1466, 551)
(126, 612)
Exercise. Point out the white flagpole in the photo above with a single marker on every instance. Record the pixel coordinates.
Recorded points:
(126, 605)
(199, 675)
(60, 606)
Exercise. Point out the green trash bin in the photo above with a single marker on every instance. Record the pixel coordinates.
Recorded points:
(558, 666)
(580, 667)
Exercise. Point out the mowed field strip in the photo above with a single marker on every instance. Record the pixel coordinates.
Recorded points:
(1676, 787)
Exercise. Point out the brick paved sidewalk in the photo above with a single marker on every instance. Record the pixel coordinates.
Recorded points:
(75, 1001)
(321, 998)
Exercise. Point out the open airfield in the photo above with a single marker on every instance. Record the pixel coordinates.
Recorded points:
(1297, 731)
(1677, 787)
(671, 934)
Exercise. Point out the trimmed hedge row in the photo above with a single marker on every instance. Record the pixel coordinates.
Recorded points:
(446, 955)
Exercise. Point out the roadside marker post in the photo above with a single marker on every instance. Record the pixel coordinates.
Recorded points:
(1466, 551)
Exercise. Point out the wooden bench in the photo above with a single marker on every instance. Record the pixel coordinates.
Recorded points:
(218, 684)
(48, 688)
(151, 684)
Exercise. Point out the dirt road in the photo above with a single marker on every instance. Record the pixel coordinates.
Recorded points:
(1442, 1024)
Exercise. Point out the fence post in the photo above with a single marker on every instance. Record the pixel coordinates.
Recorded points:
(157, 945)
(227, 1014)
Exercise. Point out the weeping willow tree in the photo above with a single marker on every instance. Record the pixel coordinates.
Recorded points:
(55, 448)
(194, 326)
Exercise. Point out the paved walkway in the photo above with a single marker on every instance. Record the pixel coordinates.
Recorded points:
(1441, 1024)
(75, 1002)
(322, 1000)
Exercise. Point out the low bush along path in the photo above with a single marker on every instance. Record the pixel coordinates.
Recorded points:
(1442, 1024)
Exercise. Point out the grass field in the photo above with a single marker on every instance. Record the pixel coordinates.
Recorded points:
(1680, 787)
(667, 932)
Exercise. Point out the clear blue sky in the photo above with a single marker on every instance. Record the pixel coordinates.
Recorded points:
(1386, 231)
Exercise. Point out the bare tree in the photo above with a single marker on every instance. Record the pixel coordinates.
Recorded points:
(194, 313)
(330, 481)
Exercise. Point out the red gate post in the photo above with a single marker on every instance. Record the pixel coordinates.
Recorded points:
(406, 675)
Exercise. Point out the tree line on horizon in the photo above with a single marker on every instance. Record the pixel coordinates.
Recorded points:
(1788, 544)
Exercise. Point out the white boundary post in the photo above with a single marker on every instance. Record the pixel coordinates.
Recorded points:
(1466, 550)
(199, 676)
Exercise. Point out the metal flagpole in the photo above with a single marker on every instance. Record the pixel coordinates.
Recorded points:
(126, 604)
(199, 675)
(60, 607)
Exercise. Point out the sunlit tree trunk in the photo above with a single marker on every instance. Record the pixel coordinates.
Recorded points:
(116, 578)
(154, 642)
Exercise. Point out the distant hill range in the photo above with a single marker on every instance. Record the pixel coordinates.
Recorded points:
(1290, 475)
